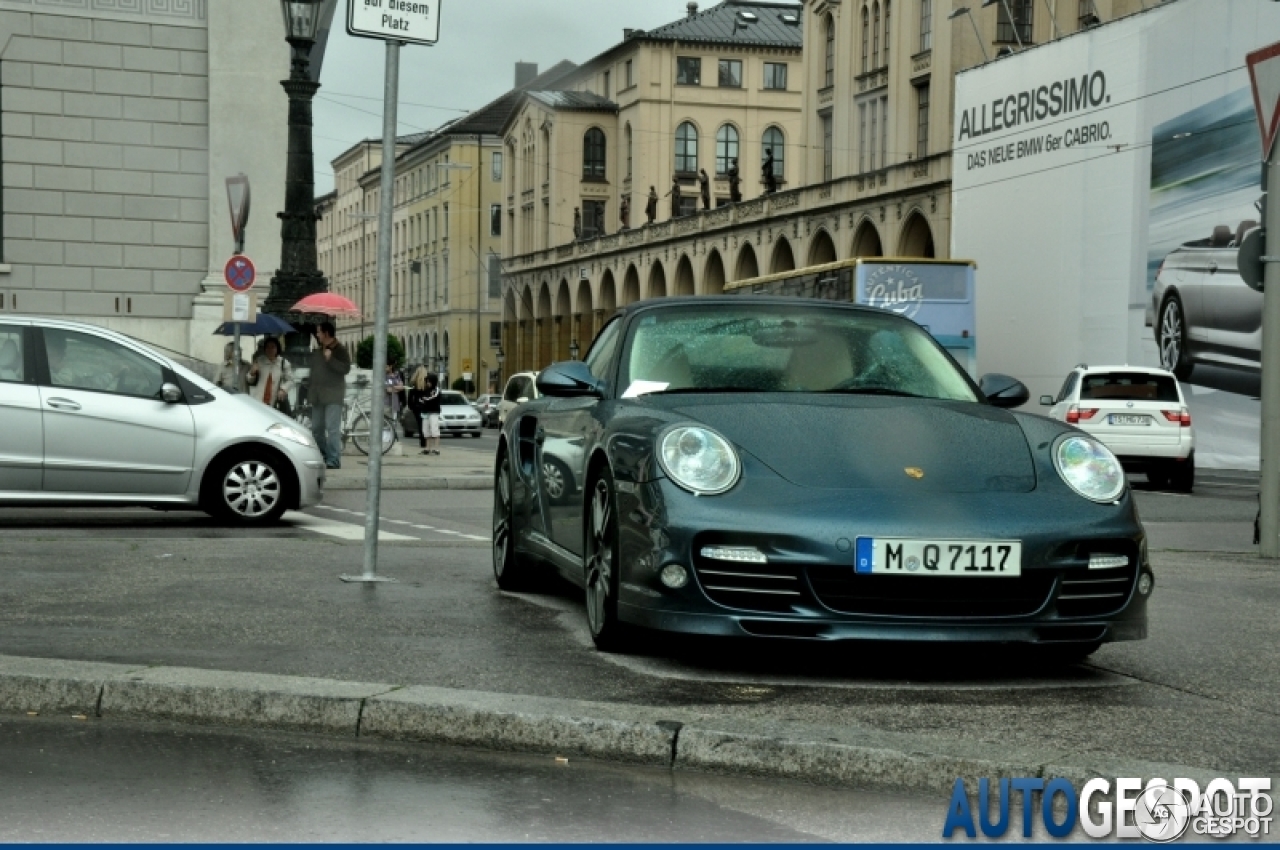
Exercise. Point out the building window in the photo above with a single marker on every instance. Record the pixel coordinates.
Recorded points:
(1017, 29)
(926, 25)
(630, 78)
(775, 76)
(829, 75)
(446, 223)
(495, 334)
(1086, 15)
(886, 32)
(495, 282)
(884, 132)
(875, 35)
(688, 71)
(730, 74)
(496, 173)
(629, 151)
(873, 138)
(826, 147)
(593, 154)
(773, 140)
(726, 148)
(686, 149)
(866, 40)
(495, 219)
(592, 219)
(444, 279)
(922, 121)
(608, 84)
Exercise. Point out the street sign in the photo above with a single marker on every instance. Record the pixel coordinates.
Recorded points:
(238, 203)
(406, 21)
(240, 273)
(1264, 76)
(240, 307)
(466, 364)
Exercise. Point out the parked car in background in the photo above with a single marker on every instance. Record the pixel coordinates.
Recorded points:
(521, 387)
(1204, 311)
(457, 415)
(927, 510)
(487, 404)
(91, 417)
(1138, 413)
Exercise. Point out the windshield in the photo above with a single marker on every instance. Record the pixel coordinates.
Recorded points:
(775, 348)
(453, 398)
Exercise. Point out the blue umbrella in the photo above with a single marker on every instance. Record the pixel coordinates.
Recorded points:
(266, 324)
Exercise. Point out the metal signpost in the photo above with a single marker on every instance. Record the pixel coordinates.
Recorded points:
(396, 22)
(1264, 74)
(238, 204)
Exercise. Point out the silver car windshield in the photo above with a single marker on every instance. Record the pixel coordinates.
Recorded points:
(772, 348)
(448, 398)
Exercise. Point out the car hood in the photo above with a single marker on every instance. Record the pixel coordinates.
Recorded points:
(870, 443)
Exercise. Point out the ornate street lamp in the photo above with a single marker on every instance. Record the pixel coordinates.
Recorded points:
(501, 356)
(299, 274)
(574, 350)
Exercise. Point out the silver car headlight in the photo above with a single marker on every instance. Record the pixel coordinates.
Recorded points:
(699, 460)
(1089, 468)
(293, 435)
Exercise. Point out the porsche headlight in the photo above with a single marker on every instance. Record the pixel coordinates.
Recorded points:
(293, 435)
(1089, 468)
(699, 460)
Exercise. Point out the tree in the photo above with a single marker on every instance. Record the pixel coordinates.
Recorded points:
(364, 352)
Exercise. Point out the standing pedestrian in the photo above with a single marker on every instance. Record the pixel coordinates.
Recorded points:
(417, 404)
(329, 364)
(429, 399)
(704, 185)
(393, 381)
(651, 206)
(271, 377)
(230, 373)
(766, 171)
(735, 188)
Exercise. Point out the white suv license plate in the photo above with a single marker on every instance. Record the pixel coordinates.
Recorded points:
(907, 556)
(1128, 419)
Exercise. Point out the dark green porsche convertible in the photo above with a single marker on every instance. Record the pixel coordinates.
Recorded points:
(779, 467)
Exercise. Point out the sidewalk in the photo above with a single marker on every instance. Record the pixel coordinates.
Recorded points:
(403, 468)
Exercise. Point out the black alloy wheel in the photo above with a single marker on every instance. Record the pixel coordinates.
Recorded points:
(1171, 339)
(602, 564)
(511, 570)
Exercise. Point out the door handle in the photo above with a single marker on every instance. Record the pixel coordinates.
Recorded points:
(1213, 268)
(540, 436)
(63, 404)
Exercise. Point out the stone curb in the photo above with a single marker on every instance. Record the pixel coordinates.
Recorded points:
(456, 482)
(604, 731)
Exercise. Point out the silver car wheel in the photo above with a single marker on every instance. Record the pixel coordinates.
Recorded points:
(553, 479)
(600, 558)
(251, 489)
(1170, 336)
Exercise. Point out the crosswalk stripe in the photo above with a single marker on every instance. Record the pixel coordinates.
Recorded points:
(341, 530)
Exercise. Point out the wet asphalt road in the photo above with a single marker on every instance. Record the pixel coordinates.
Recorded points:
(179, 589)
(97, 781)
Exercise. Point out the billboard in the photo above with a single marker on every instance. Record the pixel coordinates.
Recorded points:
(1101, 178)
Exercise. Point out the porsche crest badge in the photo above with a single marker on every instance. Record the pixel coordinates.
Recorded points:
(915, 472)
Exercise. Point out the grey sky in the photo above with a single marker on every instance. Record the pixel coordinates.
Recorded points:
(480, 42)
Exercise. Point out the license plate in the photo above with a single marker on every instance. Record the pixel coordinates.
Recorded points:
(903, 556)
(1128, 419)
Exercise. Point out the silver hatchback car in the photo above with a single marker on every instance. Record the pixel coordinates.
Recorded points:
(92, 417)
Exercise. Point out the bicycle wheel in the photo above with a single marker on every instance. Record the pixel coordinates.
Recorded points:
(360, 434)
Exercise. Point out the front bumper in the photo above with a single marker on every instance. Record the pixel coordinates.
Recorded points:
(808, 588)
(311, 475)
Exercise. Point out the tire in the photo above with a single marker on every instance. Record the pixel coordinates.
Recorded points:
(512, 570)
(361, 437)
(475, 434)
(1158, 477)
(1182, 476)
(1171, 339)
(248, 488)
(601, 568)
(557, 480)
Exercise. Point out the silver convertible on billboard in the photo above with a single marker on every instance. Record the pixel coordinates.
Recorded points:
(1204, 312)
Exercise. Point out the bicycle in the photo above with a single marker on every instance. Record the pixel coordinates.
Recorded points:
(357, 416)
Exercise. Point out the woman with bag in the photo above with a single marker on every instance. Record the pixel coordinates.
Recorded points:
(271, 377)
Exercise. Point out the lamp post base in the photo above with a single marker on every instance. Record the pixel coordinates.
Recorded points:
(368, 580)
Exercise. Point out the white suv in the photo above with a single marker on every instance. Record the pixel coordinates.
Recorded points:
(1137, 412)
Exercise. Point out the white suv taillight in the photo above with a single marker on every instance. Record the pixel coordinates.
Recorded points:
(1076, 413)
(1182, 417)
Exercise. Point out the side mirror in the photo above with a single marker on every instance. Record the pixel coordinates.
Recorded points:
(170, 394)
(570, 379)
(1046, 400)
(1003, 391)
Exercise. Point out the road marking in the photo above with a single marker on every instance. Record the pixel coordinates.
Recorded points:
(430, 528)
(341, 530)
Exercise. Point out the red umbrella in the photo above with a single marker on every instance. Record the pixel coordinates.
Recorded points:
(328, 304)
